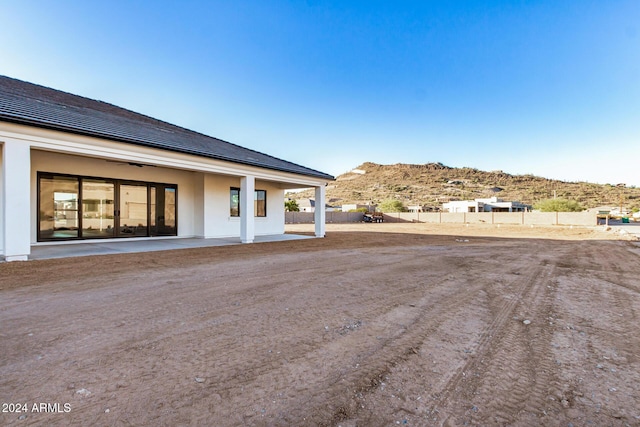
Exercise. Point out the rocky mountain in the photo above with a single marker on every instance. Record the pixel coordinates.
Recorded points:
(432, 184)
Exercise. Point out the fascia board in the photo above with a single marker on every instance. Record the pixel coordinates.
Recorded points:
(48, 140)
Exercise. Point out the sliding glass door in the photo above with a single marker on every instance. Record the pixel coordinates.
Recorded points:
(74, 207)
(163, 210)
(98, 201)
(58, 207)
(133, 214)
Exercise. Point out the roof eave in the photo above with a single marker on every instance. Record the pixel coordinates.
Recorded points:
(61, 128)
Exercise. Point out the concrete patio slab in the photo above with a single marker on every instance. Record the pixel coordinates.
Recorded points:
(74, 249)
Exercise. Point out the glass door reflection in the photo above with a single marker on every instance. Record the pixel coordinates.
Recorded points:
(134, 211)
(163, 210)
(58, 215)
(98, 208)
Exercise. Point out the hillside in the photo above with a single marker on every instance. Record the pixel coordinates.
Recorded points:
(432, 184)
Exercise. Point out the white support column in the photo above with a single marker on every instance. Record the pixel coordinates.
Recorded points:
(16, 200)
(205, 206)
(247, 220)
(320, 211)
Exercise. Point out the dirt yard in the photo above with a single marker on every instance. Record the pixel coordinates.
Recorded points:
(375, 325)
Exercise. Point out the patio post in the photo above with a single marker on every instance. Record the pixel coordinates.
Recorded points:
(247, 221)
(16, 200)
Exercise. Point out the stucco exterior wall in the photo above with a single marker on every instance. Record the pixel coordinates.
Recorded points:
(212, 192)
(203, 199)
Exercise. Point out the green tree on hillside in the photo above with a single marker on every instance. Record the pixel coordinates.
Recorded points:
(391, 206)
(291, 206)
(558, 205)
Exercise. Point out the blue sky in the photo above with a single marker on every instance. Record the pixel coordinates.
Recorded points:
(550, 88)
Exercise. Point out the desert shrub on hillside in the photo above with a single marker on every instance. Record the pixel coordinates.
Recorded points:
(391, 206)
(558, 205)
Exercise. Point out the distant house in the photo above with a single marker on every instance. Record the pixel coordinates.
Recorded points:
(422, 208)
(351, 207)
(306, 205)
(76, 169)
(309, 205)
(492, 204)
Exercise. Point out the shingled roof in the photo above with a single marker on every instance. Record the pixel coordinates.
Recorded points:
(30, 104)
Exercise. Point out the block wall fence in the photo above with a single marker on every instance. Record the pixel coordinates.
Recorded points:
(515, 218)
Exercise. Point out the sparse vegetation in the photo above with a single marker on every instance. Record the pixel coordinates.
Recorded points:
(558, 205)
(291, 206)
(432, 184)
(391, 206)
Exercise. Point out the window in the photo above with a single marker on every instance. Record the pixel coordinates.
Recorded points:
(259, 203)
(235, 202)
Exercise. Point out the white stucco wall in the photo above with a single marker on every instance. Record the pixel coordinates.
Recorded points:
(213, 193)
(203, 199)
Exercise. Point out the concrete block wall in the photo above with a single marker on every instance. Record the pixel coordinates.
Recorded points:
(542, 218)
(576, 218)
(331, 217)
(512, 218)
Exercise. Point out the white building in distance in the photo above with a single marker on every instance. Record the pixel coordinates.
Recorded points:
(492, 204)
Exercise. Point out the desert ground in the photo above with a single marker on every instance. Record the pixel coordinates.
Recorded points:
(374, 325)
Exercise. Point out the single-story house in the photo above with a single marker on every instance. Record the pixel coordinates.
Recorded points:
(74, 168)
(352, 207)
(306, 205)
(309, 205)
(492, 204)
(422, 208)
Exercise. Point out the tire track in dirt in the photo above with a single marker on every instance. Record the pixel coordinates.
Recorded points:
(616, 266)
(431, 321)
(386, 340)
(303, 371)
(396, 349)
(520, 377)
(517, 379)
(467, 290)
(599, 349)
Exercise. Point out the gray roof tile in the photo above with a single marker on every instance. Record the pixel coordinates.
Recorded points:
(31, 104)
